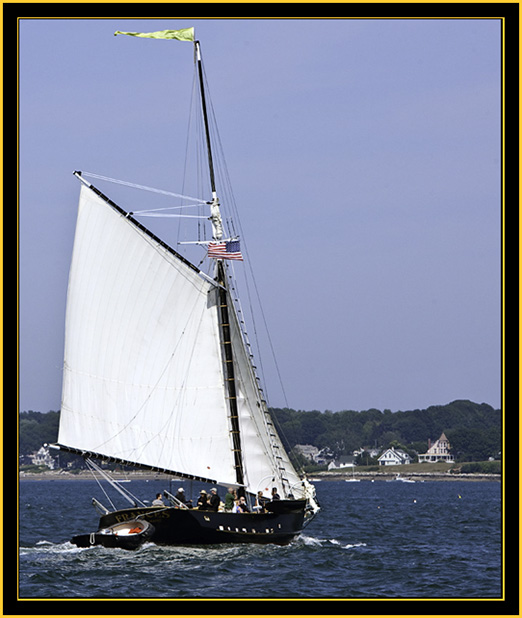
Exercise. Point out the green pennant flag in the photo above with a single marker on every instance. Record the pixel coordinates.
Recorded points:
(185, 34)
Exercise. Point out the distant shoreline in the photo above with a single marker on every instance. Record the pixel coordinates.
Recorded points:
(62, 475)
(414, 476)
(86, 475)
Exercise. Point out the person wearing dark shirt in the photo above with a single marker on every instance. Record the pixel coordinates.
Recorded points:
(275, 495)
(202, 503)
(214, 500)
(180, 495)
(242, 506)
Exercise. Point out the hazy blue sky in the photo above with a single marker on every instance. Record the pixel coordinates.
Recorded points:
(365, 161)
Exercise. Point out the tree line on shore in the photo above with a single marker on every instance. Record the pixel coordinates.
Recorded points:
(473, 430)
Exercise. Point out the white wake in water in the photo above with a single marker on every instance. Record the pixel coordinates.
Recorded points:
(315, 542)
(46, 547)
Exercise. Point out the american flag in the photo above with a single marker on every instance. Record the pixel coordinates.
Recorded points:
(228, 250)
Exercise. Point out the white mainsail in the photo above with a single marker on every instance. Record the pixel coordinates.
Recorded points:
(144, 378)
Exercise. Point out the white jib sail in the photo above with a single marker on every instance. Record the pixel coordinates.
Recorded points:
(265, 461)
(143, 375)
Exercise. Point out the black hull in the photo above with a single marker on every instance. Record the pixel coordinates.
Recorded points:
(175, 526)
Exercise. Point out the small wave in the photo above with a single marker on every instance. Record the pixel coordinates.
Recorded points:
(44, 547)
(351, 546)
(315, 542)
(310, 541)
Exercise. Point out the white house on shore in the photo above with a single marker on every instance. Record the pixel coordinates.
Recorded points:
(345, 461)
(43, 458)
(394, 457)
(438, 451)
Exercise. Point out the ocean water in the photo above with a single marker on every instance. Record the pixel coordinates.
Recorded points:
(372, 540)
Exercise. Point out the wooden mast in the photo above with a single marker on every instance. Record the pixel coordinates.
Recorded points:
(228, 361)
(223, 295)
(205, 120)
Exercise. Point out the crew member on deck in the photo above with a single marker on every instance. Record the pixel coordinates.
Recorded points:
(242, 506)
(260, 503)
(230, 500)
(158, 501)
(202, 503)
(275, 495)
(214, 500)
(180, 495)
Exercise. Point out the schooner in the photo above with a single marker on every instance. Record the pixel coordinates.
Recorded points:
(157, 374)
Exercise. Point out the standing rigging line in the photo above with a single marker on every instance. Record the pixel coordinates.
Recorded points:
(233, 219)
(209, 115)
(194, 129)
